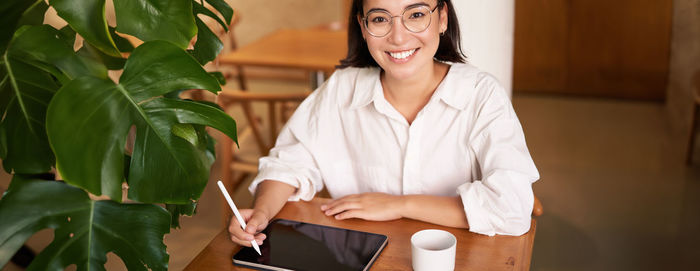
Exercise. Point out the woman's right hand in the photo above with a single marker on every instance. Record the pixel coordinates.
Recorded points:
(256, 221)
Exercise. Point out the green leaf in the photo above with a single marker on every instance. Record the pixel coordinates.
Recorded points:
(223, 8)
(26, 91)
(123, 44)
(67, 34)
(87, 136)
(177, 210)
(36, 53)
(20, 179)
(160, 68)
(12, 12)
(186, 132)
(211, 145)
(112, 63)
(34, 15)
(170, 20)
(48, 45)
(89, 118)
(87, 17)
(185, 162)
(84, 230)
(219, 76)
(197, 8)
(208, 45)
(3, 145)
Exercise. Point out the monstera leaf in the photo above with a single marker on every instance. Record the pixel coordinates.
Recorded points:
(14, 12)
(208, 45)
(89, 118)
(170, 20)
(87, 17)
(223, 8)
(35, 54)
(34, 15)
(84, 230)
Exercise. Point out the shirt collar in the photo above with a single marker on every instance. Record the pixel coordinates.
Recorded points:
(454, 90)
(367, 88)
(458, 85)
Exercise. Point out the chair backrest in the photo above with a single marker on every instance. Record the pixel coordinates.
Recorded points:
(279, 109)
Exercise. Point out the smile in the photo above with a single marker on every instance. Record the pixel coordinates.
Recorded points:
(402, 54)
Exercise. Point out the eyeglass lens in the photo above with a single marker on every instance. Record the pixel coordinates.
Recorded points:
(415, 19)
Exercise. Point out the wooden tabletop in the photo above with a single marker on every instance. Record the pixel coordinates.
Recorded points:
(311, 49)
(474, 251)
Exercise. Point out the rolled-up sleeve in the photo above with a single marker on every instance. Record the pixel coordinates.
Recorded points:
(290, 162)
(500, 201)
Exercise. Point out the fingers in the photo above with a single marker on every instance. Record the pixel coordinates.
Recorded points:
(334, 203)
(255, 222)
(340, 206)
(237, 234)
(369, 206)
(349, 214)
(259, 238)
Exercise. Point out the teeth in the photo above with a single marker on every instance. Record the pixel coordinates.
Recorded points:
(402, 55)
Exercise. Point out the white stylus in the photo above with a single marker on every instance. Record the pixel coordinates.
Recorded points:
(236, 213)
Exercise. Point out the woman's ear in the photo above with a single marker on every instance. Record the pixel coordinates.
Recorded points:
(443, 17)
(362, 26)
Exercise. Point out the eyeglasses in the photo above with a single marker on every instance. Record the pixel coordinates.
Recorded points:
(415, 18)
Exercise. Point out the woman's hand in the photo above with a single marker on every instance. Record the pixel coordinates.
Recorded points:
(256, 221)
(368, 206)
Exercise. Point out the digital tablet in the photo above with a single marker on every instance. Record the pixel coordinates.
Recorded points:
(293, 245)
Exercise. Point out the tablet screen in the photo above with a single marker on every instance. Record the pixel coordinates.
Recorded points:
(293, 245)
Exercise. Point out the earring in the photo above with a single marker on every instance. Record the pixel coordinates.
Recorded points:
(442, 33)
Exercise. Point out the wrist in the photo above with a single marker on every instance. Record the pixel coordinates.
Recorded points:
(262, 212)
(404, 205)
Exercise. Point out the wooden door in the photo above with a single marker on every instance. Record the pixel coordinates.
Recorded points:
(618, 48)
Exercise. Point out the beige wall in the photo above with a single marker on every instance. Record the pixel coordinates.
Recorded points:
(258, 17)
(685, 61)
(261, 17)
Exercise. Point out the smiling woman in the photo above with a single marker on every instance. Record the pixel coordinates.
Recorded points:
(402, 129)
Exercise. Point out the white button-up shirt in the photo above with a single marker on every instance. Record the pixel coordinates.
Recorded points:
(466, 141)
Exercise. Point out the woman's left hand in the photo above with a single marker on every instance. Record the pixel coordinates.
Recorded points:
(368, 206)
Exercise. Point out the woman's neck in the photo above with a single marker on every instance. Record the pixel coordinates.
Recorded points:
(409, 96)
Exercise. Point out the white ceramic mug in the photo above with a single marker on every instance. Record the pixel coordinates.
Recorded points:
(433, 250)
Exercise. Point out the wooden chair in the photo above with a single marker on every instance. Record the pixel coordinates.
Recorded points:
(231, 44)
(694, 120)
(280, 106)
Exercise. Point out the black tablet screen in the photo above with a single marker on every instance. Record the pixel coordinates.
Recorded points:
(303, 246)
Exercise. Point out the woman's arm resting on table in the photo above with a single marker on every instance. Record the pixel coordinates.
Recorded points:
(270, 197)
(446, 211)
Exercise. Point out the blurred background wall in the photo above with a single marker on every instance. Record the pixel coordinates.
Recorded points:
(684, 63)
(258, 18)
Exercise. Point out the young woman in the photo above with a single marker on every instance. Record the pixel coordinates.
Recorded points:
(402, 129)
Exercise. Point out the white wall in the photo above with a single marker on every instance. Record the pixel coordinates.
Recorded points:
(487, 28)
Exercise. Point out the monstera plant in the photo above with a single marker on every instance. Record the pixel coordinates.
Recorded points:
(105, 139)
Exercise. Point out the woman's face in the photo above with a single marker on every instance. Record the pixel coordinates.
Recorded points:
(403, 54)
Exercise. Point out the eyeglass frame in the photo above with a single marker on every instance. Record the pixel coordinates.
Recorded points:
(391, 19)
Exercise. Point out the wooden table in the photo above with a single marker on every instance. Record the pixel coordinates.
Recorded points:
(474, 251)
(313, 49)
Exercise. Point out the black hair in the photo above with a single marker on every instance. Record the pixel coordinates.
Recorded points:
(358, 55)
